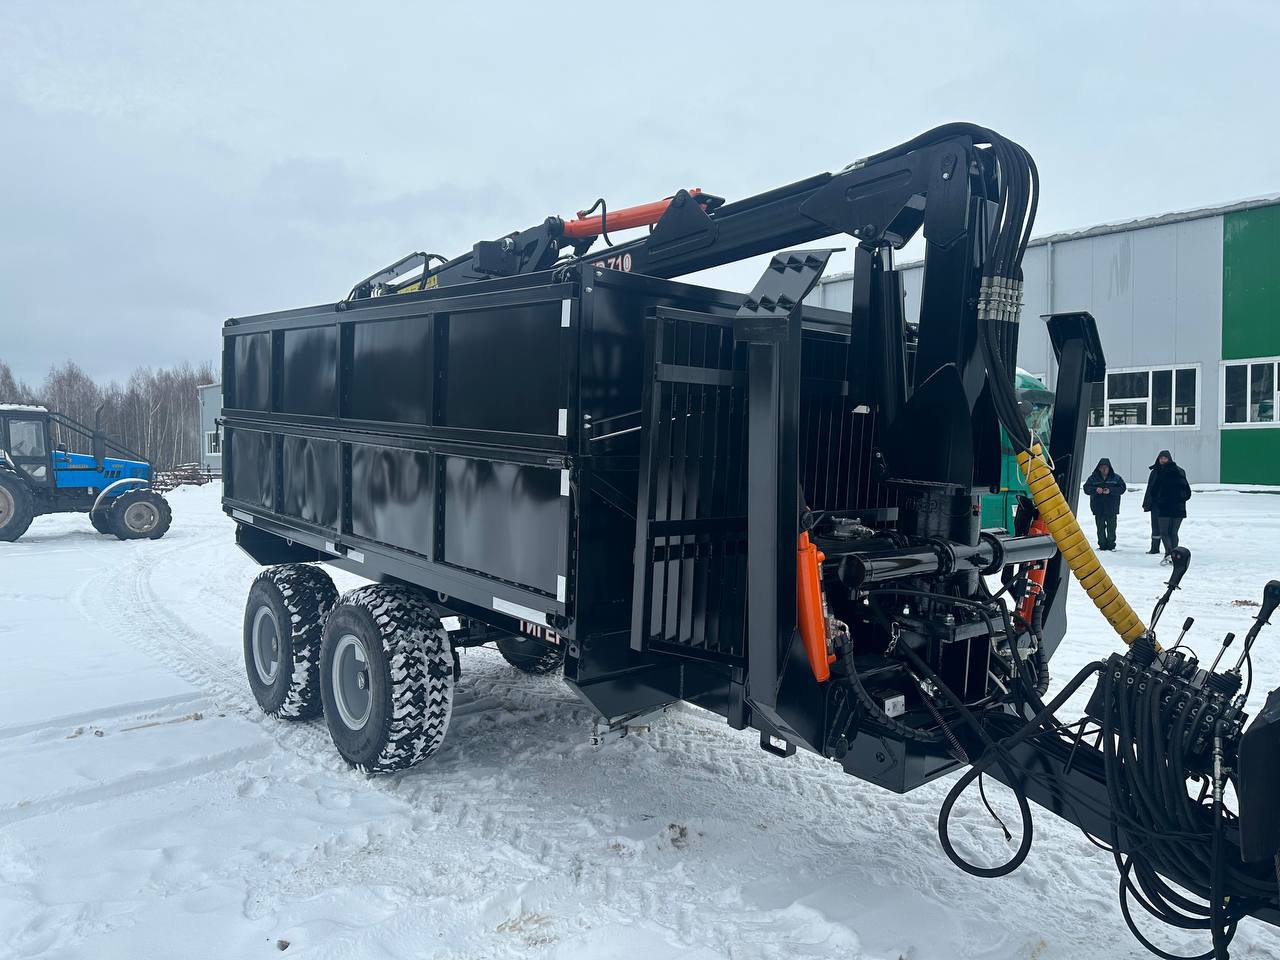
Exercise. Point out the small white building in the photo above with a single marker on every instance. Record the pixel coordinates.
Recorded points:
(210, 433)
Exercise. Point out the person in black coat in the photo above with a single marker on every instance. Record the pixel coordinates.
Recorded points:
(1105, 487)
(1146, 505)
(1167, 494)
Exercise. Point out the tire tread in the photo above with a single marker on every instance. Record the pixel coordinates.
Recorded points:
(24, 510)
(115, 518)
(309, 596)
(420, 665)
(529, 656)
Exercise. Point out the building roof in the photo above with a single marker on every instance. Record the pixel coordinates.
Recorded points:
(1119, 226)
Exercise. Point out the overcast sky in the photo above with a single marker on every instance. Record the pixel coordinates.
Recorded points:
(165, 166)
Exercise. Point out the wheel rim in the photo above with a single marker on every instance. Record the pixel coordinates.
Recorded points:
(266, 645)
(7, 506)
(351, 682)
(141, 517)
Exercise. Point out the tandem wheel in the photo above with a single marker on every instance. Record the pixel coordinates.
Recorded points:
(386, 677)
(530, 655)
(283, 626)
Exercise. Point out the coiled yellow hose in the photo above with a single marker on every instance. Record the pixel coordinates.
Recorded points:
(1074, 546)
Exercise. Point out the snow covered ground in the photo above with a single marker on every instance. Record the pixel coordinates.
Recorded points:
(148, 810)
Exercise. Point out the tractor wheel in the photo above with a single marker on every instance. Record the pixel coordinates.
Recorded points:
(529, 655)
(101, 520)
(283, 625)
(140, 515)
(17, 509)
(386, 678)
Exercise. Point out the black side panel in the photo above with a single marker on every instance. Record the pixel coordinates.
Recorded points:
(251, 476)
(517, 347)
(267, 548)
(309, 371)
(393, 496)
(504, 519)
(1259, 785)
(309, 480)
(391, 374)
(251, 377)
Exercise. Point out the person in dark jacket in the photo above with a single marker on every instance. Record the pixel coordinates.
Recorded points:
(1167, 494)
(1155, 517)
(1105, 487)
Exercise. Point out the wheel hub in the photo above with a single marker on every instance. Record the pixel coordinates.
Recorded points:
(350, 676)
(266, 644)
(6, 506)
(141, 517)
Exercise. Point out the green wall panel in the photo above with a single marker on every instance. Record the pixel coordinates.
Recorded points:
(1250, 285)
(1251, 456)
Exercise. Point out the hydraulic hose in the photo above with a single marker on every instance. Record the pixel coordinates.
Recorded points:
(1074, 546)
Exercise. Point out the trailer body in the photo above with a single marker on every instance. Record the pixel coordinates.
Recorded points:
(487, 446)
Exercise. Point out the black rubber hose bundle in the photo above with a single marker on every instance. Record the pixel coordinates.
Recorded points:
(1157, 829)
(1181, 838)
(997, 752)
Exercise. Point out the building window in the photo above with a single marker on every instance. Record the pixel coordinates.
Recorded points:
(1151, 397)
(1250, 393)
(213, 443)
(1097, 404)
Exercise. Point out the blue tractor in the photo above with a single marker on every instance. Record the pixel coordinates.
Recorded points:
(39, 474)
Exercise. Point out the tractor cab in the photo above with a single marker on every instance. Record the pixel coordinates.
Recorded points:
(26, 440)
(1000, 507)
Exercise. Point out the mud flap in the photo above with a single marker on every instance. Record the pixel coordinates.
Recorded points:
(1259, 783)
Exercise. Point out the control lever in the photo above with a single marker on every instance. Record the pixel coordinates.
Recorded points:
(1226, 642)
(1270, 600)
(1186, 625)
(1181, 557)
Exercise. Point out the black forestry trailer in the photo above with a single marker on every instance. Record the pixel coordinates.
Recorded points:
(757, 506)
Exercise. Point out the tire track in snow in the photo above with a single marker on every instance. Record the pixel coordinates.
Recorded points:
(135, 708)
(129, 784)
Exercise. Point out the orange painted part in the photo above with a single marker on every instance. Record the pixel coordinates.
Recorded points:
(809, 615)
(1035, 577)
(624, 219)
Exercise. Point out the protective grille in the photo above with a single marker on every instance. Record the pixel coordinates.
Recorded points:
(693, 523)
(690, 591)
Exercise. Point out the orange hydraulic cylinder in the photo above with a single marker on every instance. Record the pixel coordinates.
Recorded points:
(810, 615)
(642, 216)
(1035, 576)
